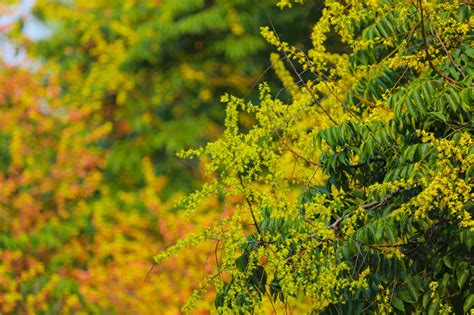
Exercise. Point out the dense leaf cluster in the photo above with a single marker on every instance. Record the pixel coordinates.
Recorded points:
(377, 143)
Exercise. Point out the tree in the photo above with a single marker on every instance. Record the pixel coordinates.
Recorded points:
(49, 161)
(355, 196)
(89, 133)
(154, 70)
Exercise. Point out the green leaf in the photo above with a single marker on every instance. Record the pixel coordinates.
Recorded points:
(451, 102)
(412, 289)
(462, 273)
(426, 300)
(437, 267)
(447, 261)
(468, 303)
(410, 107)
(427, 96)
(469, 51)
(470, 171)
(434, 307)
(390, 233)
(462, 277)
(379, 227)
(469, 240)
(382, 30)
(398, 108)
(398, 303)
(405, 296)
(418, 102)
(454, 73)
(440, 115)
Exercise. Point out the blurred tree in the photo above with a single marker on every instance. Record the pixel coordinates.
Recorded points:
(68, 242)
(50, 166)
(155, 70)
(88, 175)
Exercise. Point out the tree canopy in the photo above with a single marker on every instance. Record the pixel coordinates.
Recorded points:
(355, 195)
(91, 125)
(329, 145)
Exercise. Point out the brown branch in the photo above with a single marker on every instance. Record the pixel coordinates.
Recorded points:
(447, 52)
(375, 204)
(369, 206)
(149, 271)
(251, 211)
(215, 255)
(315, 100)
(423, 34)
(296, 154)
(378, 247)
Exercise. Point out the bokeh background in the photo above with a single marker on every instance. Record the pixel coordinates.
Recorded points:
(96, 99)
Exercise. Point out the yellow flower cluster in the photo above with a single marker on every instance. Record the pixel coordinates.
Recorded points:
(287, 3)
(283, 74)
(443, 189)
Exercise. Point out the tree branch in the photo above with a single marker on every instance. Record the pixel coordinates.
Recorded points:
(423, 34)
(251, 210)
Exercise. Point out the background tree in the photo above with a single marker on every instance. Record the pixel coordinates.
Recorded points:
(156, 71)
(89, 178)
(49, 161)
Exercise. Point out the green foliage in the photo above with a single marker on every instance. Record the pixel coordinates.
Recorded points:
(88, 170)
(383, 222)
(154, 71)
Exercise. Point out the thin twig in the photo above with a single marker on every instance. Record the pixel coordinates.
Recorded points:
(447, 52)
(375, 204)
(251, 210)
(296, 154)
(423, 34)
(315, 100)
(149, 271)
(216, 256)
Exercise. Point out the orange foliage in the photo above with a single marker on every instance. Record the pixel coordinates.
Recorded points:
(72, 243)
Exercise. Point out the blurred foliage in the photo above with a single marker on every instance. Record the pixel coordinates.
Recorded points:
(155, 70)
(68, 242)
(90, 127)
